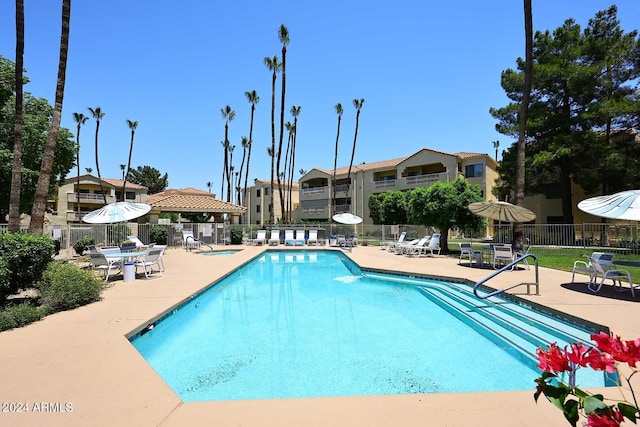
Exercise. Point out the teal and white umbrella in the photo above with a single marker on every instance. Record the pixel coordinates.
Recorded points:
(624, 205)
(117, 212)
(347, 218)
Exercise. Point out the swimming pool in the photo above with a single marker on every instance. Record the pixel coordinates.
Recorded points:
(311, 323)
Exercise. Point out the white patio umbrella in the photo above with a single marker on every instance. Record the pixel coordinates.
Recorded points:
(117, 212)
(347, 218)
(624, 205)
(502, 211)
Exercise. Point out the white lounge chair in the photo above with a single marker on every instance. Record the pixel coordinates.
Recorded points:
(391, 246)
(289, 240)
(137, 241)
(261, 238)
(313, 237)
(411, 250)
(585, 267)
(399, 248)
(189, 241)
(432, 248)
(611, 272)
(299, 240)
(274, 239)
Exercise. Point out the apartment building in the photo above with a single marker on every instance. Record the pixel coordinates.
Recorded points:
(71, 209)
(421, 169)
(260, 202)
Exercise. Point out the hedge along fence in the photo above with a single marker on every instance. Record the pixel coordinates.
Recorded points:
(23, 260)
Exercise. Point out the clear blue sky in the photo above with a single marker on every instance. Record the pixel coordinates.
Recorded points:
(429, 72)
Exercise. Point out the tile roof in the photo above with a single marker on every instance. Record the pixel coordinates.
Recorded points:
(190, 200)
(118, 184)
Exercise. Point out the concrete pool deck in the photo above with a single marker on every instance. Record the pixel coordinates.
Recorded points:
(77, 368)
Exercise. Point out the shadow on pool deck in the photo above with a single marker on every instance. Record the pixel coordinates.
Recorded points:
(82, 357)
(607, 291)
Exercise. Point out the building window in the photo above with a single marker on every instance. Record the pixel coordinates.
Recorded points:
(130, 195)
(258, 207)
(473, 171)
(267, 191)
(258, 192)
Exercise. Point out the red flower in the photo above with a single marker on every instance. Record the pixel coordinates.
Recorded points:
(613, 418)
(579, 354)
(602, 362)
(553, 360)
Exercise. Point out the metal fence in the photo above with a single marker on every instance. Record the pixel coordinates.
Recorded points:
(614, 237)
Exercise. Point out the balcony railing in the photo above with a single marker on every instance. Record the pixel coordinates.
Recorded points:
(342, 187)
(387, 183)
(343, 208)
(313, 190)
(424, 180)
(312, 211)
(89, 198)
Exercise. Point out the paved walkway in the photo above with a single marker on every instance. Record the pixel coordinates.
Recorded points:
(77, 368)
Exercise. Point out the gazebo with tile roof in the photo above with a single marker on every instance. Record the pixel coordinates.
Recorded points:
(191, 200)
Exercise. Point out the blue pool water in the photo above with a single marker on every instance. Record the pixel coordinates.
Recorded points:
(310, 323)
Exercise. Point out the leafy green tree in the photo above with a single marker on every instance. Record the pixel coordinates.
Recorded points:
(48, 157)
(389, 207)
(37, 114)
(443, 205)
(150, 178)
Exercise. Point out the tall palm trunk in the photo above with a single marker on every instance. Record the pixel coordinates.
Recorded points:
(358, 104)
(244, 142)
(339, 110)
(253, 99)
(42, 187)
(295, 112)
(98, 115)
(273, 138)
(283, 34)
(518, 229)
(80, 119)
(132, 125)
(16, 168)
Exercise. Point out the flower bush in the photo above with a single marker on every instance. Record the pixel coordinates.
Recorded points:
(608, 353)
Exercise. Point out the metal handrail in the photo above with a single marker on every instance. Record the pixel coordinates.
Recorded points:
(195, 240)
(509, 267)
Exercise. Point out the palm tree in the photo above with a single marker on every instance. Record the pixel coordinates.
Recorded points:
(209, 184)
(123, 167)
(271, 154)
(16, 168)
(496, 144)
(339, 111)
(283, 36)
(42, 187)
(295, 112)
(225, 146)
(230, 172)
(244, 141)
(358, 104)
(518, 229)
(80, 119)
(253, 99)
(285, 172)
(132, 125)
(228, 114)
(89, 170)
(273, 64)
(98, 114)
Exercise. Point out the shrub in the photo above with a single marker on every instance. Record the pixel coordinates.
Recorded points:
(24, 257)
(81, 245)
(158, 234)
(19, 315)
(236, 235)
(66, 286)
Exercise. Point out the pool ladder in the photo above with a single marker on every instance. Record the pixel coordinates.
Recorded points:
(510, 267)
(196, 240)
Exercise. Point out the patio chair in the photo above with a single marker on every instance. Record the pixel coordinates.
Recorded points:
(164, 249)
(289, 240)
(189, 241)
(127, 247)
(466, 251)
(100, 262)
(501, 254)
(313, 237)
(261, 238)
(299, 240)
(151, 257)
(274, 239)
(605, 260)
(611, 272)
(433, 247)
